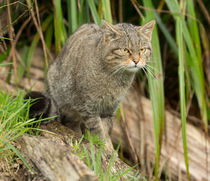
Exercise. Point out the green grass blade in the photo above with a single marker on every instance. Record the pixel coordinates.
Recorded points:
(72, 15)
(4, 55)
(93, 152)
(156, 88)
(194, 63)
(166, 33)
(193, 27)
(5, 64)
(81, 13)
(35, 41)
(9, 146)
(94, 13)
(49, 36)
(22, 65)
(180, 43)
(60, 22)
(60, 31)
(7, 121)
(87, 158)
(107, 10)
(5, 38)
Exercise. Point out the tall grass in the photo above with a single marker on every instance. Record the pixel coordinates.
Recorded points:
(156, 88)
(182, 88)
(14, 121)
(193, 53)
(93, 160)
(187, 36)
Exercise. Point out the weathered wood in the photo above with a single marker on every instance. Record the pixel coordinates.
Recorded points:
(53, 156)
(139, 118)
(55, 161)
(63, 134)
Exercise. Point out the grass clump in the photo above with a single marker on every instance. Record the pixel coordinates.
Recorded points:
(92, 158)
(14, 122)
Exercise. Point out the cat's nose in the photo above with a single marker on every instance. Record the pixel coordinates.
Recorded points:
(136, 61)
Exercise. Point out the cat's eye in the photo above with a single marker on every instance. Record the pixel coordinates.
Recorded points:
(125, 50)
(142, 50)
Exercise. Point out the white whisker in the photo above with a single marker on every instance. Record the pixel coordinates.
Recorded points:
(153, 68)
(117, 69)
(150, 72)
(145, 72)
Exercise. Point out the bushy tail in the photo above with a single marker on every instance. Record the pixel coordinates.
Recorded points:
(40, 104)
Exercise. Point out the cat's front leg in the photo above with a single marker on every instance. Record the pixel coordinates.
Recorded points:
(71, 118)
(107, 126)
(95, 126)
(108, 123)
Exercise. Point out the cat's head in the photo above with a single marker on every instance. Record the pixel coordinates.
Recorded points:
(127, 47)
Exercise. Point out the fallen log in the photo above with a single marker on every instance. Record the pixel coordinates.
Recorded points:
(54, 158)
(55, 161)
(139, 120)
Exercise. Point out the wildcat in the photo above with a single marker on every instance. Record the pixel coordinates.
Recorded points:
(93, 72)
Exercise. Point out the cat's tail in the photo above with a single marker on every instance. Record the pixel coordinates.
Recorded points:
(41, 105)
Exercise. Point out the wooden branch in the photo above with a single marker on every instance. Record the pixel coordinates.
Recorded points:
(11, 36)
(141, 132)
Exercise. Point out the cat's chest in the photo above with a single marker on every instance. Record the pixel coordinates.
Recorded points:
(108, 101)
(107, 93)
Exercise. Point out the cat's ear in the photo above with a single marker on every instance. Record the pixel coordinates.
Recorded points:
(109, 30)
(109, 27)
(147, 29)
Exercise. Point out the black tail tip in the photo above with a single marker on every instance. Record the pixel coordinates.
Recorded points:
(40, 104)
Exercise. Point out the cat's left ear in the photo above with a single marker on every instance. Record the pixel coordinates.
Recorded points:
(110, 31)
(147, 29)
(109, 27)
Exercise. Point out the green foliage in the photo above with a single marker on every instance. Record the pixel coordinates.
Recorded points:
(59, 28)
(14, 121)
(192, 53)
(182, 88)
(93, 157)
(192, 57)
(34, 43)
(156, 88)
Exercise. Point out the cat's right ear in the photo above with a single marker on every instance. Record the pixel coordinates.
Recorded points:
(109, 30)
(147, 29)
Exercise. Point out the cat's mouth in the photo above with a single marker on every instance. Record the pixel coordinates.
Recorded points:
(134, 67)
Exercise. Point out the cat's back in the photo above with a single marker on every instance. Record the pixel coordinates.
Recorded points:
(84, 34)
(73, 58)
(84, 31)
(75, 48)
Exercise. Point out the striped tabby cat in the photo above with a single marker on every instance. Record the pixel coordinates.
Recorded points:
(93, 72)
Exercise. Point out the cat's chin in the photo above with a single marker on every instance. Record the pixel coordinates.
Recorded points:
(133, 69)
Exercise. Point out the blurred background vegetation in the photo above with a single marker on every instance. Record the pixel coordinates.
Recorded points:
(178, 75)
